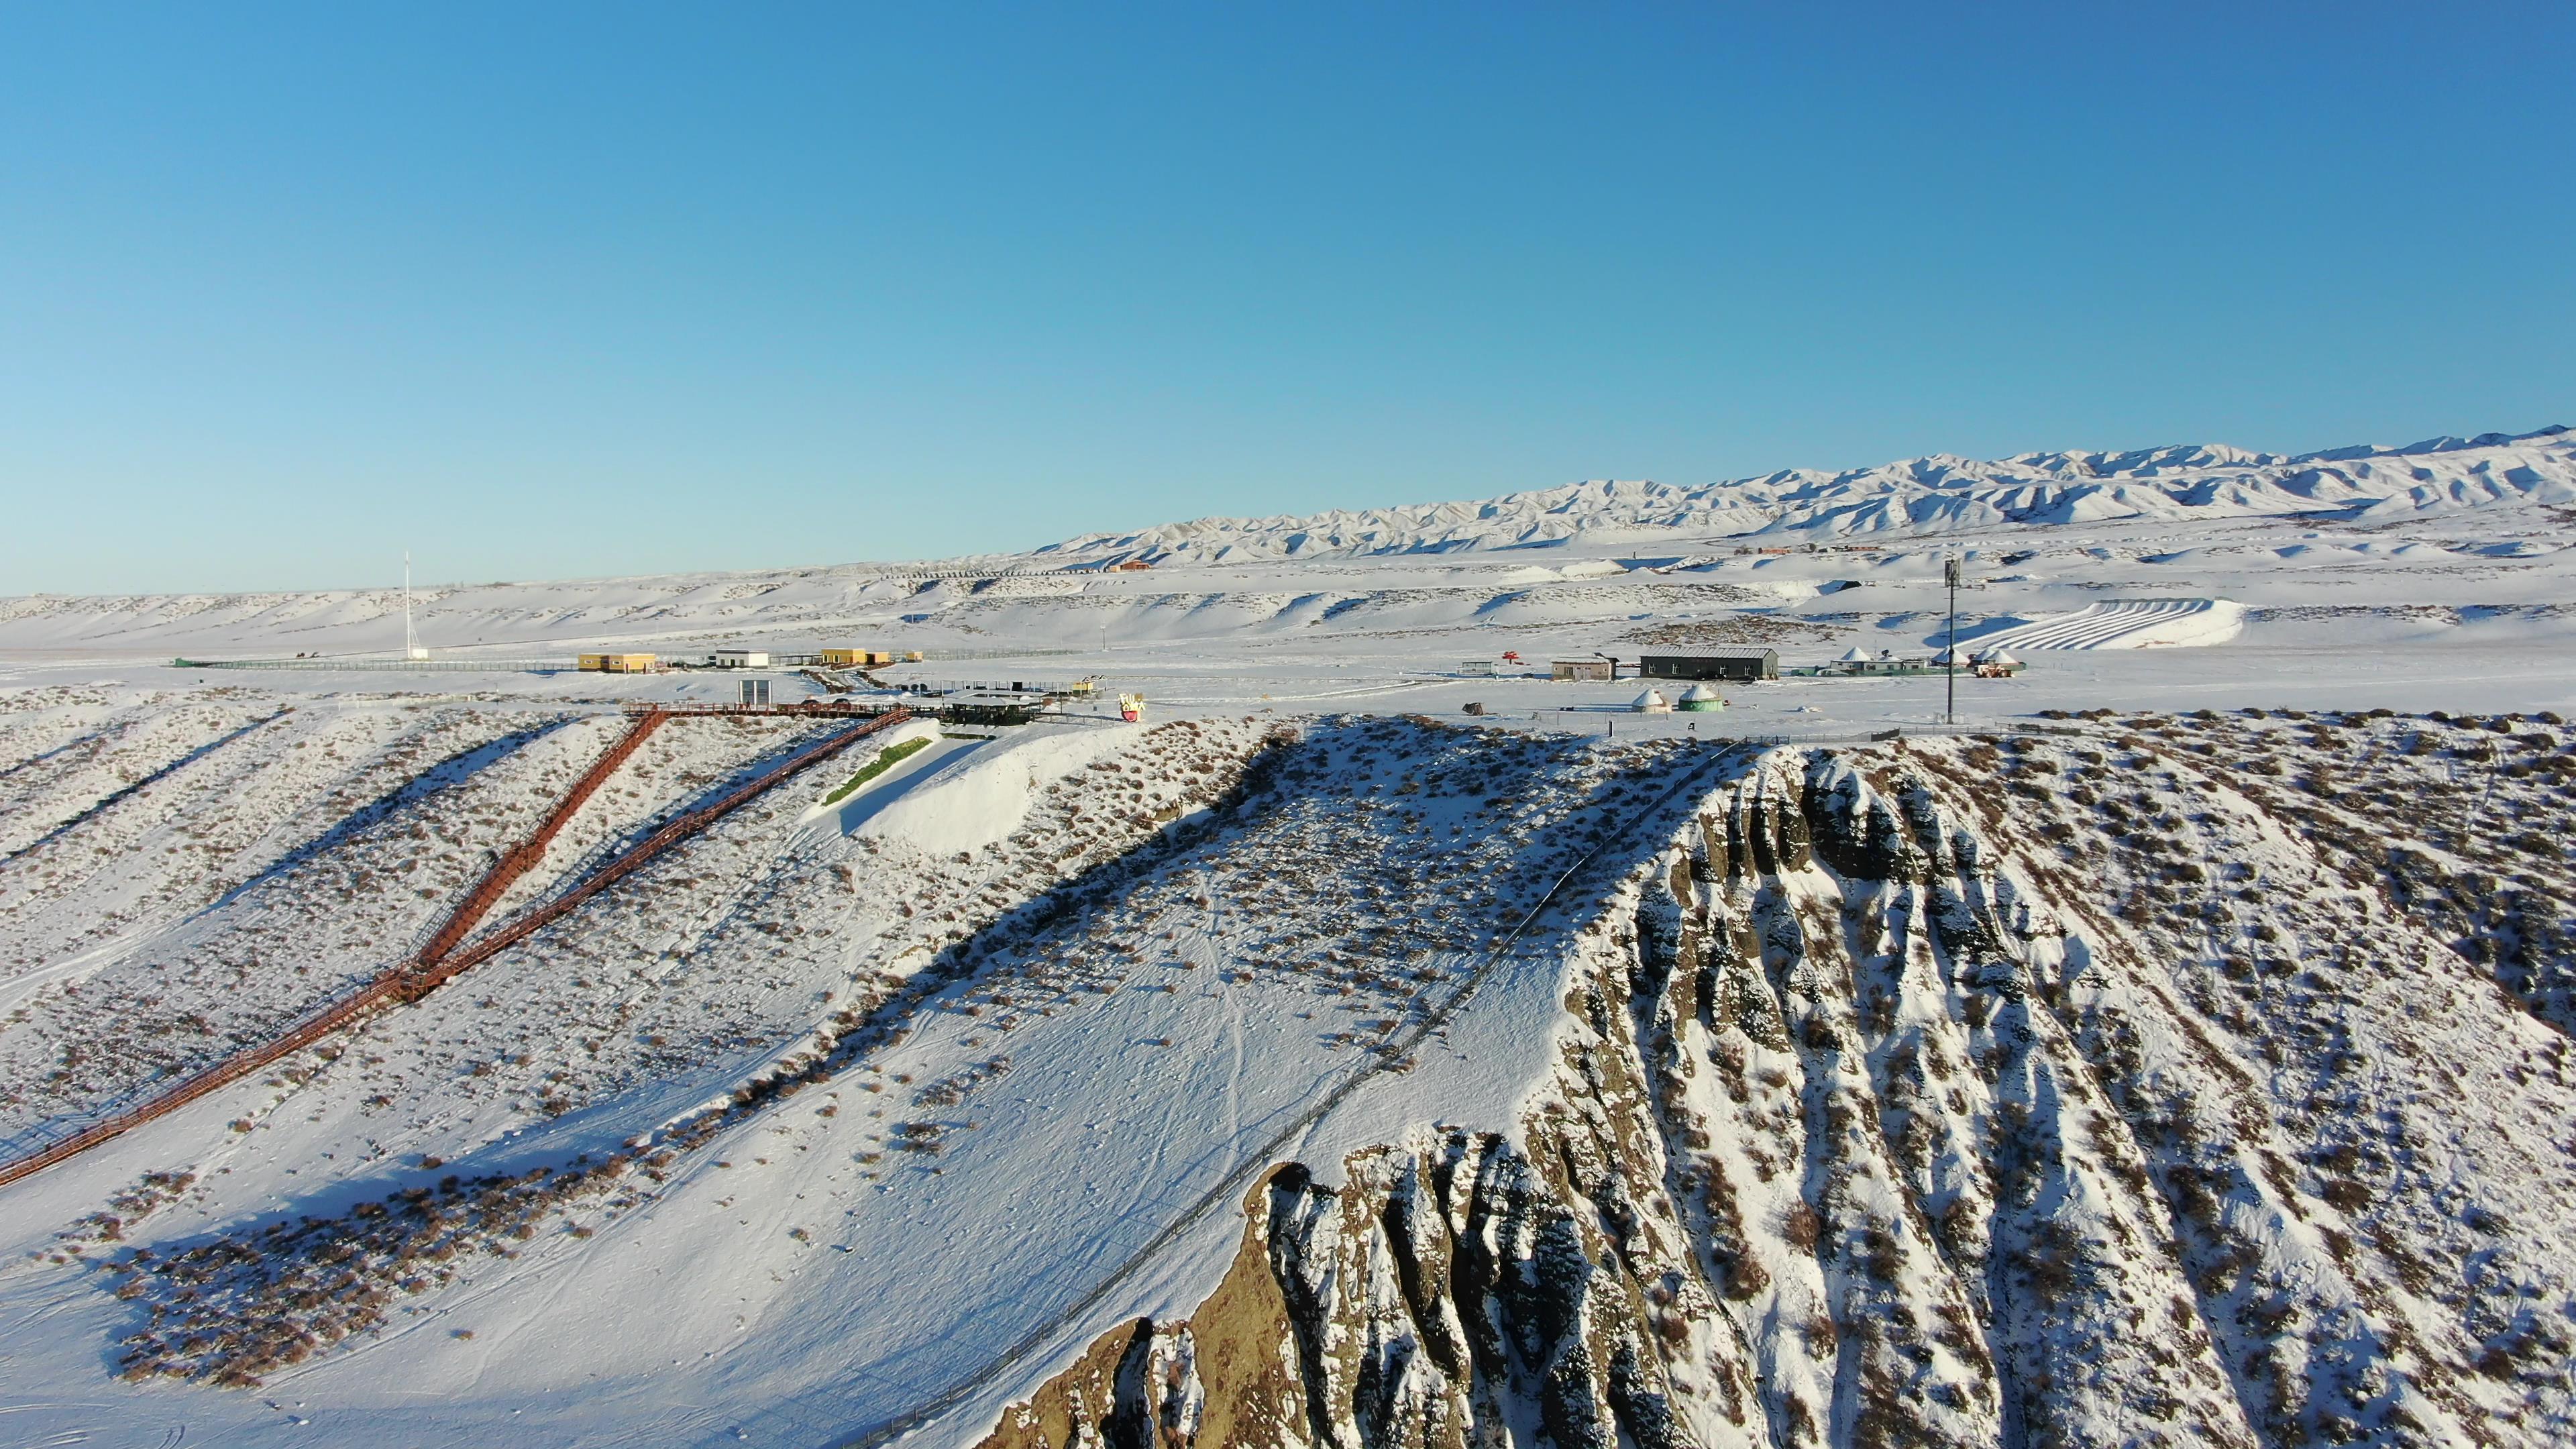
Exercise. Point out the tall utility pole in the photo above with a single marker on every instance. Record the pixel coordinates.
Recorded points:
(1950, 656)
(411, 641)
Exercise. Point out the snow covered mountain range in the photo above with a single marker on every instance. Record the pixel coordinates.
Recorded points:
(2164, 507)
(1936, 494)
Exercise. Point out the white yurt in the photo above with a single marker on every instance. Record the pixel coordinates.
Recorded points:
(1651, 702)
(1699, 698)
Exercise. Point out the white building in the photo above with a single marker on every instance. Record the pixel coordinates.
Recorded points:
(742, 659)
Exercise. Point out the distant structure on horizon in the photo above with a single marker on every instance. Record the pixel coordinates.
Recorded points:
(411, 640)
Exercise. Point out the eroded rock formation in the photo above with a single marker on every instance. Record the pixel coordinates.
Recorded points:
(2042, 1094)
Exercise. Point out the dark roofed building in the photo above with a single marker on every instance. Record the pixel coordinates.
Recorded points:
(1716, 664)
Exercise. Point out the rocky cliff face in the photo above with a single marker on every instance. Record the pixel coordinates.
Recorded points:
(2169, 1086)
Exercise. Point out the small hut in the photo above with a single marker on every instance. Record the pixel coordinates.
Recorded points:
(1651, 702)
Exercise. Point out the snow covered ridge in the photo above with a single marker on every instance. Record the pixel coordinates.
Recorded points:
(1182, 938)
(2157, 1079)
(1935, 494)
(2201, 1084)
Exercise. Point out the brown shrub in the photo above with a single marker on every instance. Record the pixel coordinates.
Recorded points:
(1801, 1227)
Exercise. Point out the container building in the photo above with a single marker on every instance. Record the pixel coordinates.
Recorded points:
(1718, 664)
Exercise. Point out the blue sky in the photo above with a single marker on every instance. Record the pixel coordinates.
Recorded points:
(550, 291)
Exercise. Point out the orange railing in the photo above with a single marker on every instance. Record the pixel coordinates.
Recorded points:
(510, 868)
(442, 960)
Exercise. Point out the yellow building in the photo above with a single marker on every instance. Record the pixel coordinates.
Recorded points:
(854, 658)
(618, 663)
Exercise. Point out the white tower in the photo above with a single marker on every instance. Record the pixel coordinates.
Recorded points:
(411, 641)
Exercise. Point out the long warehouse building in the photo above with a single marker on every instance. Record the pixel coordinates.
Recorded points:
(1718, 664)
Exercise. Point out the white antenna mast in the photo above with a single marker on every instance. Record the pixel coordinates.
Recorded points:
(411, 641)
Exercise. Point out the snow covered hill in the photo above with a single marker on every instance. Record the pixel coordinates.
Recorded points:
(2131, 1090)
(1937, 494)
(1385, 1045)
(1374, 1083)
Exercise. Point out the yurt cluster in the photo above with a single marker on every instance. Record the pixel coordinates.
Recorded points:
(1993, 662)
(1698, 699)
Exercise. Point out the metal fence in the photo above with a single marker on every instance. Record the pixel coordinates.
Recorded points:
(476, 665)
(930, 654)
(392, 666)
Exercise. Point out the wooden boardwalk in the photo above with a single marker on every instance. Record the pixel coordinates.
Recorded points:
(447, 953)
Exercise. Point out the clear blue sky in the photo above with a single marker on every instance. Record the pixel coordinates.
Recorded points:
(551, 290)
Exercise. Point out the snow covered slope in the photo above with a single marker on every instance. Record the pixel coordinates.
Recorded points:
(1659, 1090)
(2126, 624)
(1324, 1063)
(2131, 1090)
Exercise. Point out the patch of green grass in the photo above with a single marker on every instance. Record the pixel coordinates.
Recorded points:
(887, 759)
